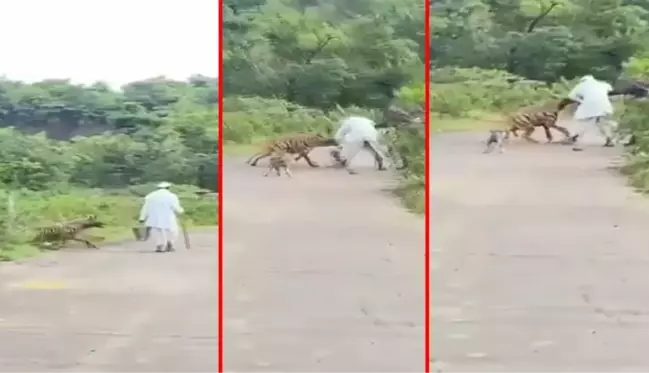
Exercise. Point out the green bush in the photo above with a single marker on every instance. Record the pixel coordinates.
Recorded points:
(633, 121)
(250, 119)
(472, 92)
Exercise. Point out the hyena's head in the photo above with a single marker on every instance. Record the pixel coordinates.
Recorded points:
(91, 222)
(324, 140)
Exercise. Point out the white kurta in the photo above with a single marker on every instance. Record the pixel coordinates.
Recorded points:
(593, 99)
(354, 133)
(160, 209)
(356, 130)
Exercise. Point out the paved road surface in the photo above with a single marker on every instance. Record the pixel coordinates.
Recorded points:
(324, 272)
(540, 260)
(119, 309)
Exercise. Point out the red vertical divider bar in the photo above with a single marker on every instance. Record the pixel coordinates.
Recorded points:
(427, 331)
(219, 331)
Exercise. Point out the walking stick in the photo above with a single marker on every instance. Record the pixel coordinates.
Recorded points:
(185, 235)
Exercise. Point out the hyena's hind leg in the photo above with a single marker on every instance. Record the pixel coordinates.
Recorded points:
(527, 135)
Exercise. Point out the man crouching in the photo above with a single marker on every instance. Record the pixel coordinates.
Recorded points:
(355, 134)
(159, 214)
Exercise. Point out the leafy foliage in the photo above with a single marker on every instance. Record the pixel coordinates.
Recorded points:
(93, 136)
(539, 40)
(319, 54)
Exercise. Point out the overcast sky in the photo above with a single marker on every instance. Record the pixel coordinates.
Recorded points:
(115, 41)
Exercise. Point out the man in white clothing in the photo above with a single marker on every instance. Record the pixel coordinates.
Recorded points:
(159, 214)
(594, 110)
(354, 134)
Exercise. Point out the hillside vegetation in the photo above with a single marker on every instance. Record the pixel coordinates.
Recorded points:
(70, 150)
(301, 65)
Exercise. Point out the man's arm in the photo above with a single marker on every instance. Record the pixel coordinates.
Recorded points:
(144, 210)
(576, 94)
(342, 131)
(175, 205)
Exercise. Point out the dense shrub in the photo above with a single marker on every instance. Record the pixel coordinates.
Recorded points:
(472, 92)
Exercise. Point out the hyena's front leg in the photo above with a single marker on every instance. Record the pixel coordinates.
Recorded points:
(548, 134)
(308, 160)
(564, 131)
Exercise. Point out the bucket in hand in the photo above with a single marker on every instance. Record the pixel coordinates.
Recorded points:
(141, 233)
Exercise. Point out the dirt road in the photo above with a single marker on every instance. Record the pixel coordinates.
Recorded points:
(324, 272)
(540, 260)
(117, 309)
